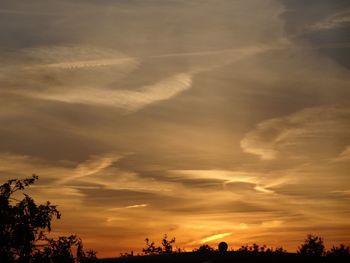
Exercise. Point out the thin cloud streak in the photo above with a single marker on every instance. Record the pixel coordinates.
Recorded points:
(125, 99)
(343, 156)
(215, 237)
(128, 207)
(129, 100)
(90, 167)
(335, 21)
(272, 136)
(86, 64)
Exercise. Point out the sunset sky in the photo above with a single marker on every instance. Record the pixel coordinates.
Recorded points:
(208, 120)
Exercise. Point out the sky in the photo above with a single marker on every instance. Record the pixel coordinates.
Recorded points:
(210, 121)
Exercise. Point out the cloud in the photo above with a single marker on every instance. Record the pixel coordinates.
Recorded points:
(128, 207)
(95, 164)
(222, 175)
(91, 166)
(236, 181)
(63, 67)
(125, 99)
(136, 206)
(64, 116)
(323, 25)
(8, 161)
(215, 237)
(338, 20)
(297, 131)
(272, 224)
(239, 183)
(86, 75)
(343, 156)
(22, 166)
(345, 193)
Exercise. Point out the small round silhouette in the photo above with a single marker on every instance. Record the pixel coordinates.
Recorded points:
(223, 247)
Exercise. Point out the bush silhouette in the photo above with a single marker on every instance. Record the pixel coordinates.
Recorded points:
(152, 249)
(167, 244)
(312, 246)
(204, 249)
(24, 224)
(341, 251)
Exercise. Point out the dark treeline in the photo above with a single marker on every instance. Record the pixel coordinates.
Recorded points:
(24, 228)
(313, 246)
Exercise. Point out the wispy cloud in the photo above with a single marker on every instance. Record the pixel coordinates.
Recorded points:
(227, 177)
(224, 175)
(197, 101)
(126, 99)
(129, 100)
(338, 20)
(215, 237)
(128, 207)
(291, 131)
(343, 156)
(92, 166)
(85, 75)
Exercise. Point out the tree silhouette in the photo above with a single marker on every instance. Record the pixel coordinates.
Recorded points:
(312, 246)
(152, 249)
(341, 251)
(244, 248)
(24, 224)
(167, 244)
(60, 250)
(279, 250)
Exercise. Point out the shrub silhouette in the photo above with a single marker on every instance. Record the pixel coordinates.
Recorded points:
(204, 249)
(60, 250)
(279, 250)
(167, 244)
(151, 249)
(244, 248)
(312, 246)
(255, 248)
(341, 251)
(24, 224)
(127, 254)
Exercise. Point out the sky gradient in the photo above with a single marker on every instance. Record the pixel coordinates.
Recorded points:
(206, 120)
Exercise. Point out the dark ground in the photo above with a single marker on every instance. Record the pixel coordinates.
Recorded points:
(228, 257)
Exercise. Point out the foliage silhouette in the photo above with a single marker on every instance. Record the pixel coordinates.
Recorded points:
(255, 248)
(24, 226)
(127, 254)
(167, 244)
(204, 249)
(60, 250)
(312, 246)
(341, 251)
(279, 250)
(152, 249)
